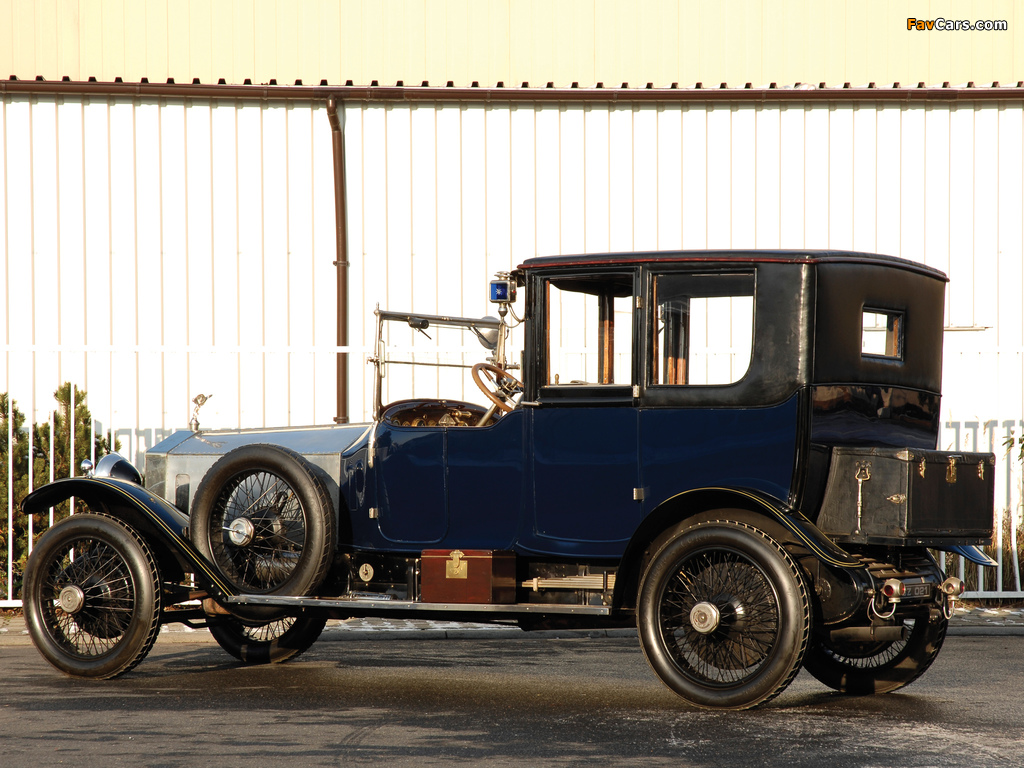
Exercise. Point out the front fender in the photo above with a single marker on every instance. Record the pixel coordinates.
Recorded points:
(162, 525)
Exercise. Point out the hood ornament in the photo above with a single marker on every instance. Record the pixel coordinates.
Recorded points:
(199, 401)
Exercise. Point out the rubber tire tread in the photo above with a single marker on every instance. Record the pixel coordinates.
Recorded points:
(795, 594)
(922, 648)
(321, 526)
(145, 628)
(297, 639)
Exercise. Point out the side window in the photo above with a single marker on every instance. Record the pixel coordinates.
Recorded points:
(882, 334)
(704, 328)
(590, 330)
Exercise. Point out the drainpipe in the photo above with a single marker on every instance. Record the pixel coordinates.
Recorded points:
(341, 264)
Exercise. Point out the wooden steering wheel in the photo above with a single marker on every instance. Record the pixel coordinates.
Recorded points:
(498, 391)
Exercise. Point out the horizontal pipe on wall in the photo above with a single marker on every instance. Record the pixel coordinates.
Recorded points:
(377, 93)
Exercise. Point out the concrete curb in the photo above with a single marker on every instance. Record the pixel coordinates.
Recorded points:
(987, 631)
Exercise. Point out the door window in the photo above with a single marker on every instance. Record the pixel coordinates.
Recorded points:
(590, 330)
(704, 328)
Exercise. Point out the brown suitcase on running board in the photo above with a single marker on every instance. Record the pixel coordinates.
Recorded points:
(467, 576)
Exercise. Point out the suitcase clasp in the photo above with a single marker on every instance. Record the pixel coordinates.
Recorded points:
(863, 474)
(457, 567)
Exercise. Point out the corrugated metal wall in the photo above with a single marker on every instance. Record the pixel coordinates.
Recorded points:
(140, 237)
(157, 249)
(511, 41)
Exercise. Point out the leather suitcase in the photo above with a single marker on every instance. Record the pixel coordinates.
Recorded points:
(909, 497)
(467, 576)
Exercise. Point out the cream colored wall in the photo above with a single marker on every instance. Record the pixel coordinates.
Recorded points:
(511, 41)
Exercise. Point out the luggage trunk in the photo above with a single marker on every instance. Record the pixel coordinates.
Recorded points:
(469, 576)
(908, 497)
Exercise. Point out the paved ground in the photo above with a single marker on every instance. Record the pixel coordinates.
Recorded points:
(516, 701)
(968, 620)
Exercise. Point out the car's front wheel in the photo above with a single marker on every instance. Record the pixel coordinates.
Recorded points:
(92, 596)
(724, 616)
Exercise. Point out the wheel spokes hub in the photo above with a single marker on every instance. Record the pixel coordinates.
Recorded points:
(705, 617)
(71, 599)
(241, 531)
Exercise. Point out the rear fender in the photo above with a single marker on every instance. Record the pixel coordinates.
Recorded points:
(792, 528)
(970, 552)
(162, 525)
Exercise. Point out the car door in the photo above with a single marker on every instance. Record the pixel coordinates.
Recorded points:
(709, 418)
(410, 483)
(584, 425)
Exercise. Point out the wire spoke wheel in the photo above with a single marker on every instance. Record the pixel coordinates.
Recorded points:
(747, 626)
(262, 530)
(270, 642)
(92, 596)
(723, 615)
(263, 517)
(869, 668)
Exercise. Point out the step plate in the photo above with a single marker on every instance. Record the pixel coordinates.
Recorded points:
(387, 606)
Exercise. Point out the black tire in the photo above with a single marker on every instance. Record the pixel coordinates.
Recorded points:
(267, 643)
(92, 597)
(284, 528)
(723, 615)
(867, 668)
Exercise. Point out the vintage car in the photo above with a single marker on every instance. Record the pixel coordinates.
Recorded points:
(733, 451)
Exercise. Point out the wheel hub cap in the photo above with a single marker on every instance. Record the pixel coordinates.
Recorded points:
(705, 617)
(241, 531)
(71, 599)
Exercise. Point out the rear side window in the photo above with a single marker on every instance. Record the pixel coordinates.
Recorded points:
(882, 334)
(703, 330)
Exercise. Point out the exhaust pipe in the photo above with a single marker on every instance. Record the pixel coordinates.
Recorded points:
(879, 634)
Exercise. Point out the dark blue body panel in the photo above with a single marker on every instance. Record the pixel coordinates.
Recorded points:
(752, 448)
(410, 474)
(571, 493)
(585, 467)
(486, 483)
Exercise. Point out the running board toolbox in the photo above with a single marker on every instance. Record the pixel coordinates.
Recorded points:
(467, 576)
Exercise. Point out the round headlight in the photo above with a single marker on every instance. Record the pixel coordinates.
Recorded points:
(115, 466)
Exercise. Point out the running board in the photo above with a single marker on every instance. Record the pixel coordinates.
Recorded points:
(366, 603)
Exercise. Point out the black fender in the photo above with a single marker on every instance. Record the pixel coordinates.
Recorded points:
(799, 532)
(970, 552)
(160, 523)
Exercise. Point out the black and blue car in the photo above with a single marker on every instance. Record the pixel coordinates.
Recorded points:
(733, 451)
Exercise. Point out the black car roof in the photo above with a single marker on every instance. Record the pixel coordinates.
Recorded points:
(735, 256)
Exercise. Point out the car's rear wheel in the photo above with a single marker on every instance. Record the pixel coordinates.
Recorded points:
(92, 597)
(861, 668)
(264, 518)
(724, 615)
(267, 643)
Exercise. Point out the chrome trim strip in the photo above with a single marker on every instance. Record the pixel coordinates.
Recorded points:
(405, 605)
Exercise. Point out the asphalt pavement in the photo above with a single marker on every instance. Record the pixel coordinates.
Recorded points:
(976, 620)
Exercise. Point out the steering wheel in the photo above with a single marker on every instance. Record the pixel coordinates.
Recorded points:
(497, 378)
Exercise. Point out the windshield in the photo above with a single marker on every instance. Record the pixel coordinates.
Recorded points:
(430, 356)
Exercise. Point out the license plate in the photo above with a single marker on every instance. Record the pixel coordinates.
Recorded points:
(918, 590)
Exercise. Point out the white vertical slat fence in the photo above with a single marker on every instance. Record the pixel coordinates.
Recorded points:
(155, 249)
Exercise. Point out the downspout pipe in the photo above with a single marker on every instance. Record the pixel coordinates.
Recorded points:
(341, 262)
